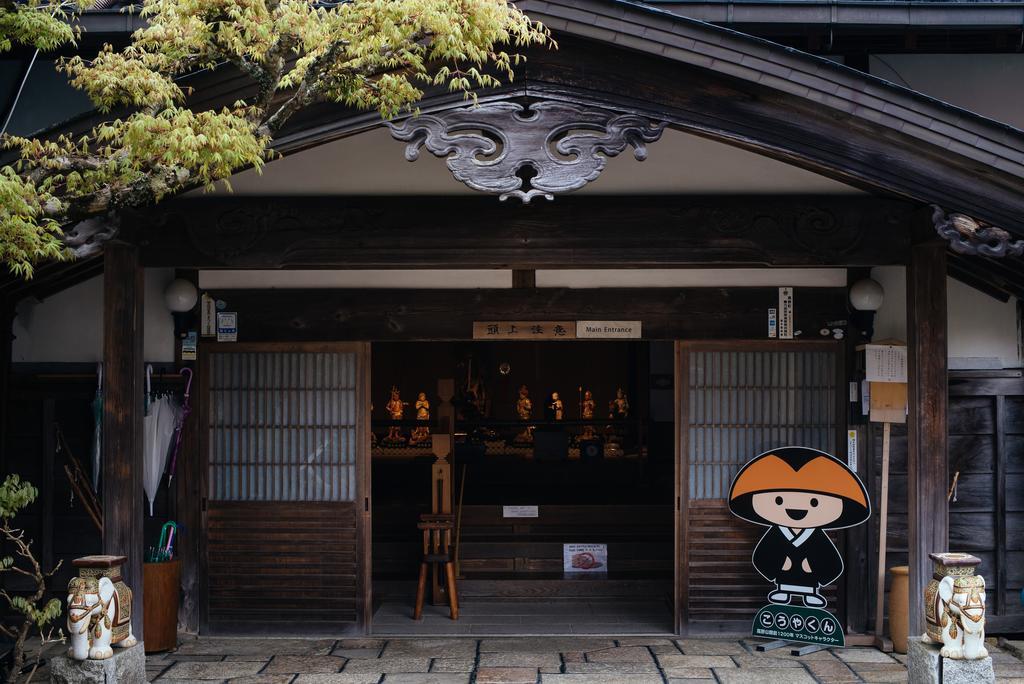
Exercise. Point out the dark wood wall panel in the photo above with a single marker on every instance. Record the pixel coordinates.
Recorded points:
(986, 519)
(279, 567)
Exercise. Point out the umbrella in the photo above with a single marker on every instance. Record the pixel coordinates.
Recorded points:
(186, 410)
(158, 428)
(97, 433)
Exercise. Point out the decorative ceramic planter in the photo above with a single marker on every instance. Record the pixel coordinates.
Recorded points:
(110, 567)
(945, 565)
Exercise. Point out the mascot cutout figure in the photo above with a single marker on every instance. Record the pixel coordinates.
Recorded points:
(798, 493)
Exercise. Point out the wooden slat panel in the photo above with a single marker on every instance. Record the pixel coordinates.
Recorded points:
(261, 572)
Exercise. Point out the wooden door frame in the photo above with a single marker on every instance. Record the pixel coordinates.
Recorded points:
(364, 537)
(682, 374)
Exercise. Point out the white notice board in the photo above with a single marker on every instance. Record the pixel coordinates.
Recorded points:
(886, 363)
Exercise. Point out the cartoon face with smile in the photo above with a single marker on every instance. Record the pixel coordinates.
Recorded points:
(797, 509)
(798, 493)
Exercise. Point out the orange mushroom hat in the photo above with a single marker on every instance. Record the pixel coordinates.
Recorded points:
(799, 469)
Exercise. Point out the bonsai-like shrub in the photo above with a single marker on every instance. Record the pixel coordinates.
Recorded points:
(33, 615)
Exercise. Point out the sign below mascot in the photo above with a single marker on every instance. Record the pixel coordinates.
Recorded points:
(798, 494)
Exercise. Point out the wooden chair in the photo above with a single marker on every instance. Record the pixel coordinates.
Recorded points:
(437, 544)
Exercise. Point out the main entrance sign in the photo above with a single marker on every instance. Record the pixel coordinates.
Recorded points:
(798, 493)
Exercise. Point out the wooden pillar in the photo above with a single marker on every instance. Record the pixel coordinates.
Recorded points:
(7, 314)
(927, 462)
(121, 478)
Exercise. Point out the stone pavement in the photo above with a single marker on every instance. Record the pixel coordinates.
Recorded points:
(523, 660)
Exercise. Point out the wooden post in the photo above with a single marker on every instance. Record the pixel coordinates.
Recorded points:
(883, 529)
(121, 478)
(927, 462)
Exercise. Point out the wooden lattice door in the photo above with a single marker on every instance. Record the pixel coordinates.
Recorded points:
(736, 400)
(286, 505)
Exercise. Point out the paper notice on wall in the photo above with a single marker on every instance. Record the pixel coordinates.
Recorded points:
(785, 313)
(227, 326)
(851, 449)
(886, 363)
(520, 512)
(578, 558)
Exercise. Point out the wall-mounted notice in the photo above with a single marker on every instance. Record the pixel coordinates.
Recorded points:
(584, 558)
(610, 330)
(886, 363)
(189, 346)
(208, 316)
(785, 313)
(851, 449)
(227, 326)
(773, 322)
(520, 512)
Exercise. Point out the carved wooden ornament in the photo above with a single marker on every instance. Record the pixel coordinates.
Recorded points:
(523, 151)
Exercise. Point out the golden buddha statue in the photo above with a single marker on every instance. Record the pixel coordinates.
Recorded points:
(557, 407)
(396, 411)
(421, 434)
(621, 403)
(524, 409)
(587, 413)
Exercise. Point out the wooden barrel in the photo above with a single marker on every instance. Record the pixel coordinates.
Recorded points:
(162, 590)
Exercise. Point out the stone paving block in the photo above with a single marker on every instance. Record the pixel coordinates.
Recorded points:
(689, 673)
(759, 660)
(356, 653)
(397, 664)
(453, 665)
(506, 675)
(431, 648)
(304, 664)
(250, 646)
(361, 643)
(543, 644)
(710, 647)
(598, 679)
(574, 657)
(676, 680)
(644, 641)
(883, 677)
(263, 679)
(545, 660)
(831, 671)
(339, 678)
(625, 654)
(862, 655)
(670, 649)
(217, 671)
(670, 661)
(766, 675)
(1009, 669)
(427, 678)
(188, 658)
(623, 668)
(252, 658)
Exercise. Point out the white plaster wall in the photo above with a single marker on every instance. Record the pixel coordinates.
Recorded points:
(983, 332)
(67, 327)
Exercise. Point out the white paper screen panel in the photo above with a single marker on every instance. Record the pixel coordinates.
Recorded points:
(742, 403)
(282, 426)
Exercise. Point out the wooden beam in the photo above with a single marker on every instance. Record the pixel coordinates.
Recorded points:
(927, 462)
(481, 232)
(386, 314)
(121, 478)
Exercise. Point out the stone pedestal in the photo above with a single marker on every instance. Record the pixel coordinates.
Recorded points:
(126, 666)
(926, 666)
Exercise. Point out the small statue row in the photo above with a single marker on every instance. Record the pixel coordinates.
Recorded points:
(396, 410)
(618, 409)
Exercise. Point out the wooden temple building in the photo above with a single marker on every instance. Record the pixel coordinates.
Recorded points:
(735, 169)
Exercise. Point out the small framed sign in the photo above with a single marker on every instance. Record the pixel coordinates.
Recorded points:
(227, 326)
(590, 558)
(524, 330)
(608, 330)
(520, 512)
